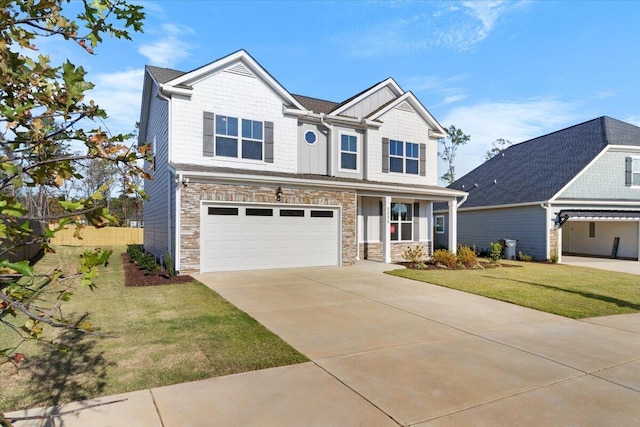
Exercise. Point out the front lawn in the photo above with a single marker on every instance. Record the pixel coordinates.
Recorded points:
(162, 335)
(566, 290)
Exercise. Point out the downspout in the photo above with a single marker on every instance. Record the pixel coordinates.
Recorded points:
(464, 199)
(329, 144)
(547, 230)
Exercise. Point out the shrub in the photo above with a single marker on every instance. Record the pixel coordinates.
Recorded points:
(135, 253)
(524, 257)
(466, 257)
(415, 256)
(149, 264)
(495, 252)
(554, 256)
(168, 265)
(444, 257)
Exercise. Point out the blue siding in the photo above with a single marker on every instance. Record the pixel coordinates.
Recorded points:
(603, 180)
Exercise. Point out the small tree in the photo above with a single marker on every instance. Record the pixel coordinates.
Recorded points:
(450, 146)
(43, 109)
(497, 148)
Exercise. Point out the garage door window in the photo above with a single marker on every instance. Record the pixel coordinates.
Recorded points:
(259, 212)
(321, 214)
(291, 212)
(223, 211)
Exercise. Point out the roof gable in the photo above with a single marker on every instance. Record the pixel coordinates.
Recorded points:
(239, 62)
(386, 90)
(409, 102)
(537, 169)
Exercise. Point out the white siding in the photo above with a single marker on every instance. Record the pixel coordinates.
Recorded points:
(155, 210)
(404, 126)
(370, 103)
(235, 95)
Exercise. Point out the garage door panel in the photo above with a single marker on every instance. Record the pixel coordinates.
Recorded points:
(263, 236)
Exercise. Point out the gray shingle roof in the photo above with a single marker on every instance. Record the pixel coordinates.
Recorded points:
(316, 105)
(163, 75)
(537, 169)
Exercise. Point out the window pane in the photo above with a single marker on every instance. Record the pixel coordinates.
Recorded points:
(251, 150)
(259, 212)
(394, 230)
(353, 144)
(395, 207)
(405, 212)
(232, 126)
(635, 165)
(395, 164)
(348, 161)
(412, 150)
(412, 166)
(257, 130)
(344, 142)
(636, 179)
(221, 125)
(395, 148)
(227, 147)
(246, 128)
(291, 212)
(406, 231)
(223, 211)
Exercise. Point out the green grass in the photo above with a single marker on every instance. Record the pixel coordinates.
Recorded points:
(160, 335)
(565, 290)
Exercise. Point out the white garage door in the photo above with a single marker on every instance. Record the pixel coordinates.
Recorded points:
(252, 237)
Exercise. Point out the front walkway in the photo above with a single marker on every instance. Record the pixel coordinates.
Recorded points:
(388, 351)
(619, 265)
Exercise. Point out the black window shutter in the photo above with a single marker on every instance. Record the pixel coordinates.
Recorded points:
(423, 160)
(628, 163)
(385, 155)
(268, 142)
(207, 134)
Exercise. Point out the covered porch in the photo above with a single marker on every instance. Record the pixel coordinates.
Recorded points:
(390, 223)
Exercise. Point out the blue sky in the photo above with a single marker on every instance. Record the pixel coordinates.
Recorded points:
(512, 70)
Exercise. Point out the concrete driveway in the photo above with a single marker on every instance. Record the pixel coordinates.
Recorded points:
(619, 265)
(387, 351)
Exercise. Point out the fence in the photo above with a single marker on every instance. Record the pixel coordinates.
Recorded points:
(108, 236)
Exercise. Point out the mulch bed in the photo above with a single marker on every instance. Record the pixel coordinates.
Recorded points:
(135, 276)
(483, 264)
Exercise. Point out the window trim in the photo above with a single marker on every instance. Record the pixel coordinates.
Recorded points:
(404, 157)
(435, 224)
(239, 139)
(251, 139)
(634, 159)
(315, 137)
(400, 222)
(357, 152)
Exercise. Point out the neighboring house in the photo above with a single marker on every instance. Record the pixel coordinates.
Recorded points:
(249, 176)
(572, 191)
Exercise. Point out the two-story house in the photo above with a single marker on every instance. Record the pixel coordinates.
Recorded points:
(573, 191)
(250, 176)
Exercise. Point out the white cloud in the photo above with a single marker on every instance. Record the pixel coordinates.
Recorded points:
(119, 94)
(516, 121)
(170, 48)
(454, 26)
(449, 88)
(634, 120)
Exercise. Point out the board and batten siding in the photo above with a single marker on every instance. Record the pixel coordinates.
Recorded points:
(402, 125)
(526, 224)
(155, 209)
(243, 96)
(371, 103)
(603, 180)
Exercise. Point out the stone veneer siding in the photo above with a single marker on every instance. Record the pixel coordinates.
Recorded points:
(553, 242)
(373, 251)
(194, 193)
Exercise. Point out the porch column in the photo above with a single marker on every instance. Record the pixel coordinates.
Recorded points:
(453, 226)
(559, 245)
(386, 230)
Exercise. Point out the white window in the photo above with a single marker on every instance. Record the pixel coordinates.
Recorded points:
(401, 221)
(251, 139)
(404, 157)
(440, 224)
(635, 172)
(348, 152)
(227, 138)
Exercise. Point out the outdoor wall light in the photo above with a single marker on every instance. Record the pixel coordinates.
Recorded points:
(185, 181)
(279, 194)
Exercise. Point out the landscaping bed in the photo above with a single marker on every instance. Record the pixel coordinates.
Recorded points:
(135, 276)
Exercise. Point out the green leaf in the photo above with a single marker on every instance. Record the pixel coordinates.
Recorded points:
(21, 267)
